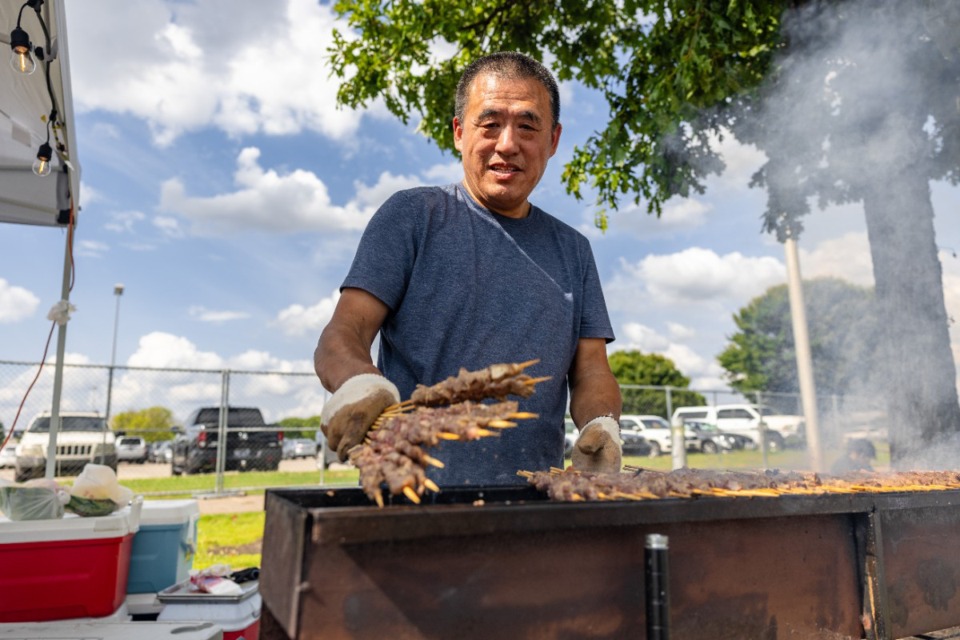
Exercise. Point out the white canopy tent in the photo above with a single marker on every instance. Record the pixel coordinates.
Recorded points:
(35, 109)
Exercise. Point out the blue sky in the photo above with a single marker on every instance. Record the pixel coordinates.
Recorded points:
(226, 191)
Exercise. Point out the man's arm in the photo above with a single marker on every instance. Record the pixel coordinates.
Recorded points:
(595, 406)
(593, 389)
(343, 364)
(344, 347)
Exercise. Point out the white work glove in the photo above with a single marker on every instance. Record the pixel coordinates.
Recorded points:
(598, 448)
(352, 410)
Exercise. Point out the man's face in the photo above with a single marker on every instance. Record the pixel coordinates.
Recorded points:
(506, 138)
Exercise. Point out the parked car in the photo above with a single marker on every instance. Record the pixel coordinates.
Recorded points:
(570, 436)
(132, 449)
(294, 448)
(748, 419)
(325, 455)
(8, 455)
(160, 451)
(656, 431)
(251, 442)
(713, 440)
(633, 443)
(83, 437)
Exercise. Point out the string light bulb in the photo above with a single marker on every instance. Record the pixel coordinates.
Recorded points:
(41, 166)
(21, 57)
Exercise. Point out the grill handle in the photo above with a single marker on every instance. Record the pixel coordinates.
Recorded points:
(657, 582)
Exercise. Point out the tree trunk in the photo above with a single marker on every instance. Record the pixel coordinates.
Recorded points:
(917, 372)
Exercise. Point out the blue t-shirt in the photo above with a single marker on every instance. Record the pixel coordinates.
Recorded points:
(468, 288)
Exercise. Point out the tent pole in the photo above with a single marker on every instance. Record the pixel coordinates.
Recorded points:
(58, 365)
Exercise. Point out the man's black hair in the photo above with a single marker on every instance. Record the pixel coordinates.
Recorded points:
(508, 64)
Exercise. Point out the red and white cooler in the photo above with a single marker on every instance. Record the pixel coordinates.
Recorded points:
(66, 568)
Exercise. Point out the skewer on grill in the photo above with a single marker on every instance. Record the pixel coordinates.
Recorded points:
(647, 484)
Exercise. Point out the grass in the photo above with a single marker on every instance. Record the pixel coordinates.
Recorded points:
(235, 539)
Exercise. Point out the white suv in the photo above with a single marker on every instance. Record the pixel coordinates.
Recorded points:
(83, 437)
(656, 431)
(746, 419)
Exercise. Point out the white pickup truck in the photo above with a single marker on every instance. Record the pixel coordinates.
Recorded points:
(781, 430)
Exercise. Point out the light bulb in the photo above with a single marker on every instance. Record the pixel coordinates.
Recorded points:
(41, 166)
(21, 57)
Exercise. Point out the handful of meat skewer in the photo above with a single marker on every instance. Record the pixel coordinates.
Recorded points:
(647, 484)
(394, 454)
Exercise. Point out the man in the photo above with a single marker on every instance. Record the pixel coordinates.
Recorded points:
(470, 275)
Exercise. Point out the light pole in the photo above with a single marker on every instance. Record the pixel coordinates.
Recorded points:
(117, 291)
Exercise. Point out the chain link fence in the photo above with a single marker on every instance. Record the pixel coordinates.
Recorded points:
(150, 410)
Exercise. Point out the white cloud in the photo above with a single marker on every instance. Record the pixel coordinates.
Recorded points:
(168, 226)
(90, 248)
(159, 349)
(184, 66)
(217, 317)
(678, 213)
(297, 320)
(16, 303)
(693, 276)
(679, 331)
(642, 338)
(444, 173)
(741, 160)
(704, 373)
(846, 257)
(124, 221)
(267, 200)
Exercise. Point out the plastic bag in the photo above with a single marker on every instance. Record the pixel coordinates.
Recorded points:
(39, 499)
(99, 482)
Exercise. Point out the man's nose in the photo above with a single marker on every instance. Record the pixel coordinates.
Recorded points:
(507, 142)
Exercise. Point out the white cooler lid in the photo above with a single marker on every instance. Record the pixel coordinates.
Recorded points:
(71, 527)
(112, 630)
(157, 512)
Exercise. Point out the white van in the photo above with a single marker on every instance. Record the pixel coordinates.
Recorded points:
(746, 419)
(83, 437)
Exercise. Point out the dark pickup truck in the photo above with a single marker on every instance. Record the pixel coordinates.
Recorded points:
(251, 443)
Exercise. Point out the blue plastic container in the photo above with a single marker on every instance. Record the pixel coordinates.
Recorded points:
(163, 548)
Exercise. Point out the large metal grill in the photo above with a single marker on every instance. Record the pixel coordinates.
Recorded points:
(478, 563)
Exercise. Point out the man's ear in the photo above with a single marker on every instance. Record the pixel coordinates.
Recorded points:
(554, 139)
(457, 133)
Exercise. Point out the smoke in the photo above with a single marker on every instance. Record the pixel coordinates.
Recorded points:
(862, 106)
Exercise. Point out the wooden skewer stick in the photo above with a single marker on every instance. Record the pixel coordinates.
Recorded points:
(430, 484)
(501, 424)
(411, 495)
(432, 461)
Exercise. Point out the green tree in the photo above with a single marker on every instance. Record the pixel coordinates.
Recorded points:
(151, 424)
(843, 330)
(841, 125)
(300, 427)
(651, 369)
